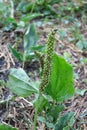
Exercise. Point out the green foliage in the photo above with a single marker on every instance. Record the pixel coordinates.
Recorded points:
(4, 12)
(30, 45)
(62, 34)
(37, 8)
(59, 87)
(2, 83)
(47, 123)
(65, 122)
(53, 112)
(77, 37)
(26, 11)
(82, 44)
(51, 115)
(16, 53)
(10, 24)
(45, 8)
(30, 40)
(81, 92)
(20, 83)
(61, 81)
(6, 20)
(43, 102)
(6, 127)
(29, 17)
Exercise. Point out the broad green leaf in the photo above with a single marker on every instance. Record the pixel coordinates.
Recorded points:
(61, 81)
(11, 20)
(44, 120)
(64, 121)
(20, 84)
(66, 128)
(51, 9)
(17, 54)
(10, 23)
(30, 40)
(38, 47)
(6, 127)
(41, 119)
(49, 125)
(42, 103)
(21, 6)
(28, 7)
(55, 111)
(28, 17)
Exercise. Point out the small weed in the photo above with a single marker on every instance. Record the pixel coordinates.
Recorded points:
(56, 85)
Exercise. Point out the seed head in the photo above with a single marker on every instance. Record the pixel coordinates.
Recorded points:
(50, 45)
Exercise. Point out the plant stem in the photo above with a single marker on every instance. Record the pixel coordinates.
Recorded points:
(33, 7)
(35, 117)
(36, 111)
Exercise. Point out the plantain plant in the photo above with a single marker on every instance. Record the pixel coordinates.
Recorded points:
(29, 46)
(56, 86)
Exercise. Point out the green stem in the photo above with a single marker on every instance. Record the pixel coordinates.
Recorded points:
(36, 111)
(33, 7)
(35, 117)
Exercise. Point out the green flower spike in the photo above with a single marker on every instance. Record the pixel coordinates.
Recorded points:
(50, 46)
(41, 58)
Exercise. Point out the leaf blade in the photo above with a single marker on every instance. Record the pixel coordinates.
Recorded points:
(20, 84)
(61, 86)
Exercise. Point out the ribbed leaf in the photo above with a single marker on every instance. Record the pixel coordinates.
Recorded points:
(61, 86)
(30, 40)
(20, 84)
(16, 53)
(65, 122)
